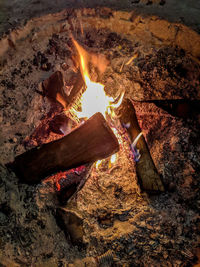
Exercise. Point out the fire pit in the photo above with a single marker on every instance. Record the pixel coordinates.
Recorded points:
(101, 208)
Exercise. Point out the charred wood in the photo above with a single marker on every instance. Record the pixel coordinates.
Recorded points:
(72, 225)
(146, 171)
(87, 143)
(74, 181)
(54, 88)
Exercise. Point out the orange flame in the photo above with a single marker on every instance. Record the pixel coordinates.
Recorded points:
(94, 99)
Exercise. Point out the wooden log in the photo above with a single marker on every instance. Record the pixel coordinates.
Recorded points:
(146, 171)
(54, 85)
(91, 141)
(68, 186)
(54, 89)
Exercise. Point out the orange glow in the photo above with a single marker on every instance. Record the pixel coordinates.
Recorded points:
(60, 99)
(94, 99)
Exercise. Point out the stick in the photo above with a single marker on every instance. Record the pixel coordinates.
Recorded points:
(89, 142)
(146, 171)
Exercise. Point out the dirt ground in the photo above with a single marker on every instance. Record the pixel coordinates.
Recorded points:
(15, 12)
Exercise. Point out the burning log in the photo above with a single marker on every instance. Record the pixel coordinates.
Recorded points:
(89, 142)
(53, 86)
(54, 89)
(73, 182)
(147, 174)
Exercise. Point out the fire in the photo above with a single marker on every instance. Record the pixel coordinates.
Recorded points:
(98, 162)
(112, 160)
(94, 99)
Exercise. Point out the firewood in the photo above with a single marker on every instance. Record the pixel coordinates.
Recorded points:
(54, 85)
(54, 89)
(91, 141)
(146, 171)
(73, 182)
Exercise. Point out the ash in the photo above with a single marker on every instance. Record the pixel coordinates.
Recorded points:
(110, 211)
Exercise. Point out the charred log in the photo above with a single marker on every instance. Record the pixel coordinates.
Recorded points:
(54, 89)
(89, 142)
(68, 186)
(146, 171)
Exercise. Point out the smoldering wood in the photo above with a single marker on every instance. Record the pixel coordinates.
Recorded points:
(73, 182)
(54, 89)
(76, 91)
(91, 141)
(54, 85)
(146, 171)
(61, 124)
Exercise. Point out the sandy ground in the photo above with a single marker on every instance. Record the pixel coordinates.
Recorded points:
(15, 12)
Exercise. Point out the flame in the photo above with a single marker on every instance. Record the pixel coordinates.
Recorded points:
(60, 99)
(98, 162)
(112, 160)
(94, 99)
